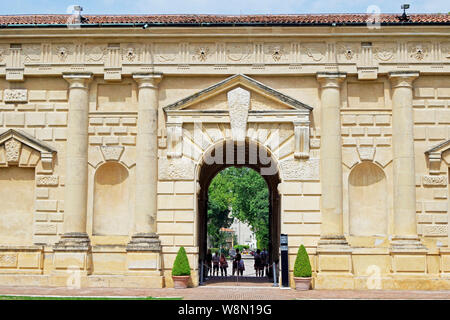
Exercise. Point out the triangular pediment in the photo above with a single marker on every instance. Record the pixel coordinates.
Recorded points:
(440, 148)
(214, 98)
(437, 154)
(20, 148)
(26, 139)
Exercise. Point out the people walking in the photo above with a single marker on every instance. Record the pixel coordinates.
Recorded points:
(215, 262)
(209, 262)
(257, 265)
(241, 267)
(223, 265)
(264, 262)
(236, 260)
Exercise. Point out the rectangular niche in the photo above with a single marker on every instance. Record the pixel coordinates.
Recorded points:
(116, 98)
(16, 205)
(365, 95)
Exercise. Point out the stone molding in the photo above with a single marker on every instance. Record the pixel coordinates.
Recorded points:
(435, 156)
(78, 80)
(147, 80)
(13, 140)
(403, 79)
(239, 105)
(330, 79)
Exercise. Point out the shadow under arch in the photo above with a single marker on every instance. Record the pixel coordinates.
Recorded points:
(248, 153)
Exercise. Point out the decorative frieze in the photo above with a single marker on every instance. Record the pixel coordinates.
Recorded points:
(435, 230)
(300, 169)
(46, 180)
(434, 180)
(15, 95)
(314, 52)
(8, 260)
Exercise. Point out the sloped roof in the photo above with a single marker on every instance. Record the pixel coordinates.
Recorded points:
(49, 20)
(236, 80)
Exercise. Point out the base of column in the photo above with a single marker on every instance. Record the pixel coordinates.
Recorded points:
(72, 258)
(334, 261)
(409, 256)
(407, 244)
(332, 243)
(144, 242)
(73, 241)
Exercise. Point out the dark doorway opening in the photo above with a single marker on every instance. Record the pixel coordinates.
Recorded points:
(239, 154)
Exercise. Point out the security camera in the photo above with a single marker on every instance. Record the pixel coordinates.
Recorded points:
(145, 26)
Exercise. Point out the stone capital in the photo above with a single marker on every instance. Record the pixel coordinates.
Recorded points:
(78, 80)
(330, 79)
(403, 79)
(148, 80)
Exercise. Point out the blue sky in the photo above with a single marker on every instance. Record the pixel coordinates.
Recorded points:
(219, 6)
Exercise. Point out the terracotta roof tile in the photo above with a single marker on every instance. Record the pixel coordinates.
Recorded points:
(288, 19)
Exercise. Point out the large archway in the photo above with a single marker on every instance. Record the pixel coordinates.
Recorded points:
(238, 154)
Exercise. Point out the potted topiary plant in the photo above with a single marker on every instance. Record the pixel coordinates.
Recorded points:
(181, 271)
(302, 270)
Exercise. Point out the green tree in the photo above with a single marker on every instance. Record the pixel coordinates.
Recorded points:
(246, 193)
(220, 196)
(251, 202)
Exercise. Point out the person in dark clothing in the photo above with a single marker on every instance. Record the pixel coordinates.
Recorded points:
(209, 262)
(223, 265)
(236, 260)
(257, 259)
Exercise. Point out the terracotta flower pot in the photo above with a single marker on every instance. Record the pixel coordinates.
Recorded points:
(302, 283)
(180, 282)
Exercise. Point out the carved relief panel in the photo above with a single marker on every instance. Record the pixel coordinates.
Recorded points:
(63, 52)
(445, 51)
(239, 52)
(277, 52)
(348, 52)
(419, 51)
(202, 52)
(131, 52)
(166, 52)
(3, 53)
(385, 51)
(96, 53)
(31, 53)
(314, 52)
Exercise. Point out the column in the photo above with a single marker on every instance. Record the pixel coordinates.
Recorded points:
(331, 159)
(405, 225)
(76, 177)
(145, 237)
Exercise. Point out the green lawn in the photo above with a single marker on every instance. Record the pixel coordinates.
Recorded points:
(82, 298)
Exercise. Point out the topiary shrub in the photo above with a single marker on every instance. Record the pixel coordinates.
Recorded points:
(302, 266)
(181, 265)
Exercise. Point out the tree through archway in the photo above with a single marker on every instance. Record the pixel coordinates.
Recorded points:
(242, 194)
(250, 171)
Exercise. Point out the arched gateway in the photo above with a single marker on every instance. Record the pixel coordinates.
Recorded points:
(248, 153)
(241, 122)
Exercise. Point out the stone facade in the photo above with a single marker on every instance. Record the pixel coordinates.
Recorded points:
(104, 132)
